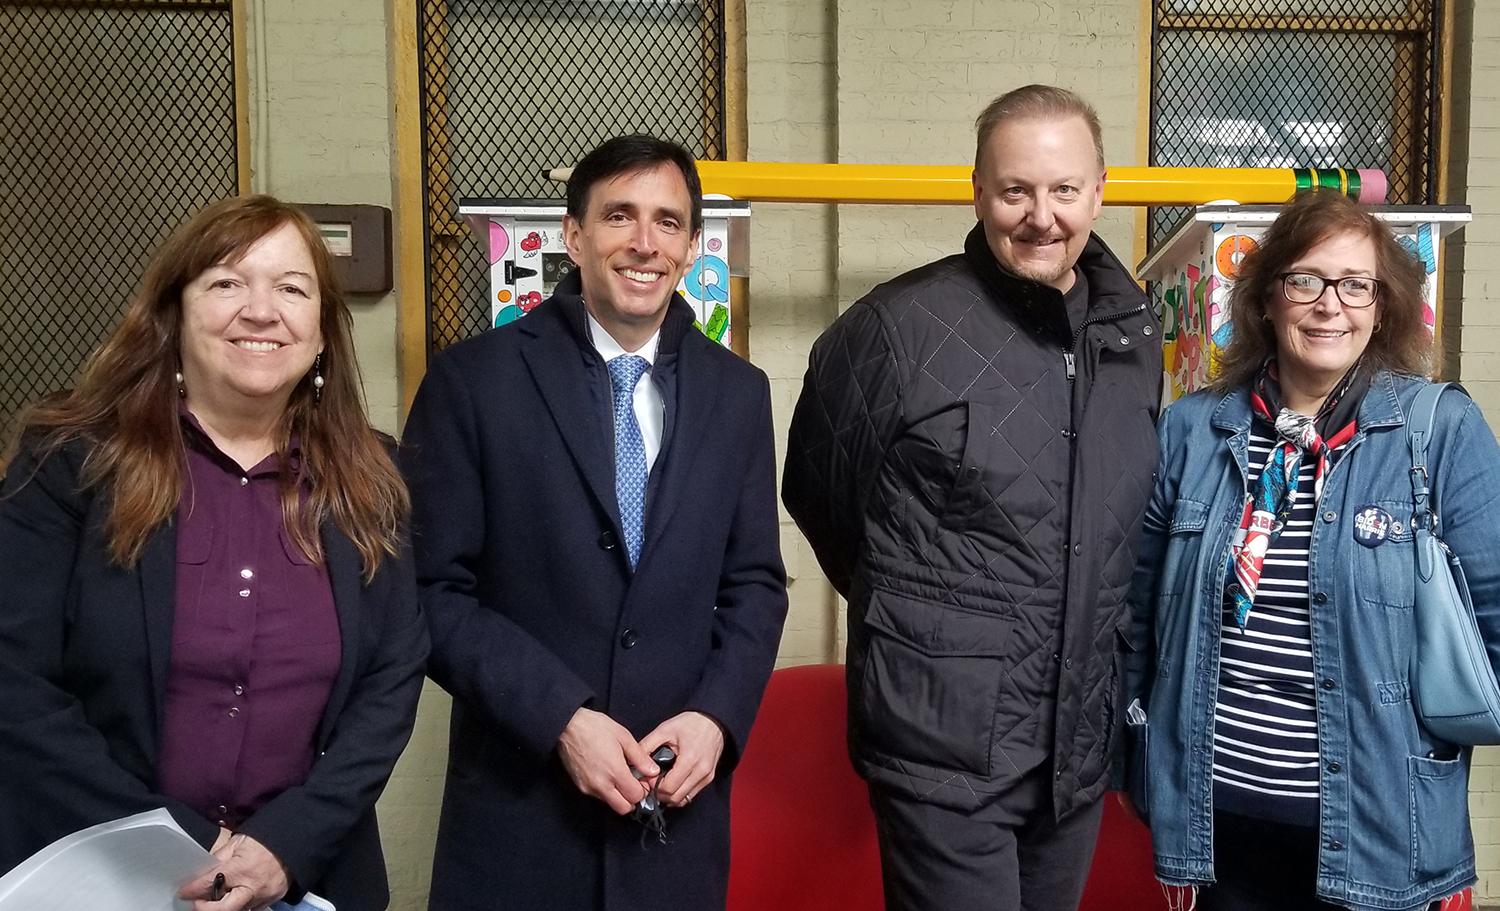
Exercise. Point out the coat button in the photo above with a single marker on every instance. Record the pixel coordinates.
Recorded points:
(1146, 331)
(1330, 515)
(1077, 549)
(1334, 767)
(607, 541)
(628, 639)
(1335, 846)
(1320, 598)
(1328, 683)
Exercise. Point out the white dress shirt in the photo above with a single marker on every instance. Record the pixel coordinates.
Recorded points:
(650, 410)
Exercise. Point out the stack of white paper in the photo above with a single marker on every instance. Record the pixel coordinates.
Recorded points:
(132, 864)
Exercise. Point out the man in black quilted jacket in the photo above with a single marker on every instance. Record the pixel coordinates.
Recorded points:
(970, 459)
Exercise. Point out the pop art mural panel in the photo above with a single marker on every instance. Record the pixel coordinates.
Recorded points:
(528, 257)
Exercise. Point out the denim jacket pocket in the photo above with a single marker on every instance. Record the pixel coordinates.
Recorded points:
(932, 678)
(1184, 540)
(1383, 574)
(1188, 516)
(1440, 837)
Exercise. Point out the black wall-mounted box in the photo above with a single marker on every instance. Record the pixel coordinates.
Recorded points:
(359, 237)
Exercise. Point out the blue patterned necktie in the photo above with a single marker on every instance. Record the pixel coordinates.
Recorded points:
(630, 451)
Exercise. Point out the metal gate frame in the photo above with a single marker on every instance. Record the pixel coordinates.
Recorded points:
(61, 348)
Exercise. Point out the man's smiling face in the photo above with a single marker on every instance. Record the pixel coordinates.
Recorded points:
(633, 245)
(1038, 189)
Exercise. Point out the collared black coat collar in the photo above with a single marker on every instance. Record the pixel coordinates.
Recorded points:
(568, 298)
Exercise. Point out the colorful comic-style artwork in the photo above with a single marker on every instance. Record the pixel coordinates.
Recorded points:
(1420, 245)
(499, 241)
(529, 258)
(706, 287)
(1191, 309)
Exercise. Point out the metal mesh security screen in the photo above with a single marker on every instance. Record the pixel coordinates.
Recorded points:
(1296, 83)
(512, 88)
(117, 121)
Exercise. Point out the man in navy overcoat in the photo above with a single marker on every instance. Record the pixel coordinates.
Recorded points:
(592, 600)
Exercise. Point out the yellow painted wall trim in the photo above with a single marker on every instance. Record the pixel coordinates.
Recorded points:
(411, 254)
(239, 24)
(736, 96)
(737, 147)
(1444, 156)
(1145, 49)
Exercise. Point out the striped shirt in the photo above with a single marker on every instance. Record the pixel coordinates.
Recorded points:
(1265, 717)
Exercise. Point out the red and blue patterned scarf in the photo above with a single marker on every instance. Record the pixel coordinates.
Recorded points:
(1267, 507)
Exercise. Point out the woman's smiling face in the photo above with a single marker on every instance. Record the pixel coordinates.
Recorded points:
(1317, 342)
(251, 327)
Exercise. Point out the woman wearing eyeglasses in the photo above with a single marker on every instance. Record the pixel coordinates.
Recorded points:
(1276, 753)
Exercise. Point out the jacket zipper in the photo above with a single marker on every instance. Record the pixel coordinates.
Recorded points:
(1072, 373)
(1068, 359)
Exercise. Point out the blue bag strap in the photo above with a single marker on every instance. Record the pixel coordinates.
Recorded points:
(1418, 436)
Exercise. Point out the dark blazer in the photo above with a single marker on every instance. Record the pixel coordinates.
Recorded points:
(84, 650)
(535, 611)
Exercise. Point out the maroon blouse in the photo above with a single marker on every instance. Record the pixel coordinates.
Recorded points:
(255, 642)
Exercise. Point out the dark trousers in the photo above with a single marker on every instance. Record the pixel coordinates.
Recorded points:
(1010, 855)
(1264, 866)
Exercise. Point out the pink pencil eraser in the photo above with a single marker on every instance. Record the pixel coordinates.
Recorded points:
(1372, 185)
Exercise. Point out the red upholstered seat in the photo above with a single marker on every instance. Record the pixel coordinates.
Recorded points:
(802, 836)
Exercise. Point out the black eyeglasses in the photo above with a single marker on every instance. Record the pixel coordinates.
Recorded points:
(1355, 291)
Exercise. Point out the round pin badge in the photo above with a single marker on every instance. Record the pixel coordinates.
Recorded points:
(1372, 525)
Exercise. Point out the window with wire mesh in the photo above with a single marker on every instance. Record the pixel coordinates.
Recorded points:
(1296, 84)
(513, 88)
(117, 122)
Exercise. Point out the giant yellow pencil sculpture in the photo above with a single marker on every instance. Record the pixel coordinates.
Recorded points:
(948, 184)
(762, 181)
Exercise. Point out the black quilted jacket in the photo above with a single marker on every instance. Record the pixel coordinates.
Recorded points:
(971, 475)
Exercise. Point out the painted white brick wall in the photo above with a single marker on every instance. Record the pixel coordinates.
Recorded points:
(790, 47)
(1481, 361)
(319, 72)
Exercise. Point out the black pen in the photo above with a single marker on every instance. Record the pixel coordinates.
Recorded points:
(216, 891)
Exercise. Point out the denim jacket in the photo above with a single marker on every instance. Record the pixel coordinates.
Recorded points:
(1393, 809)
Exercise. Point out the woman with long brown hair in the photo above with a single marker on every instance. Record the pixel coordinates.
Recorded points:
(208, 604)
